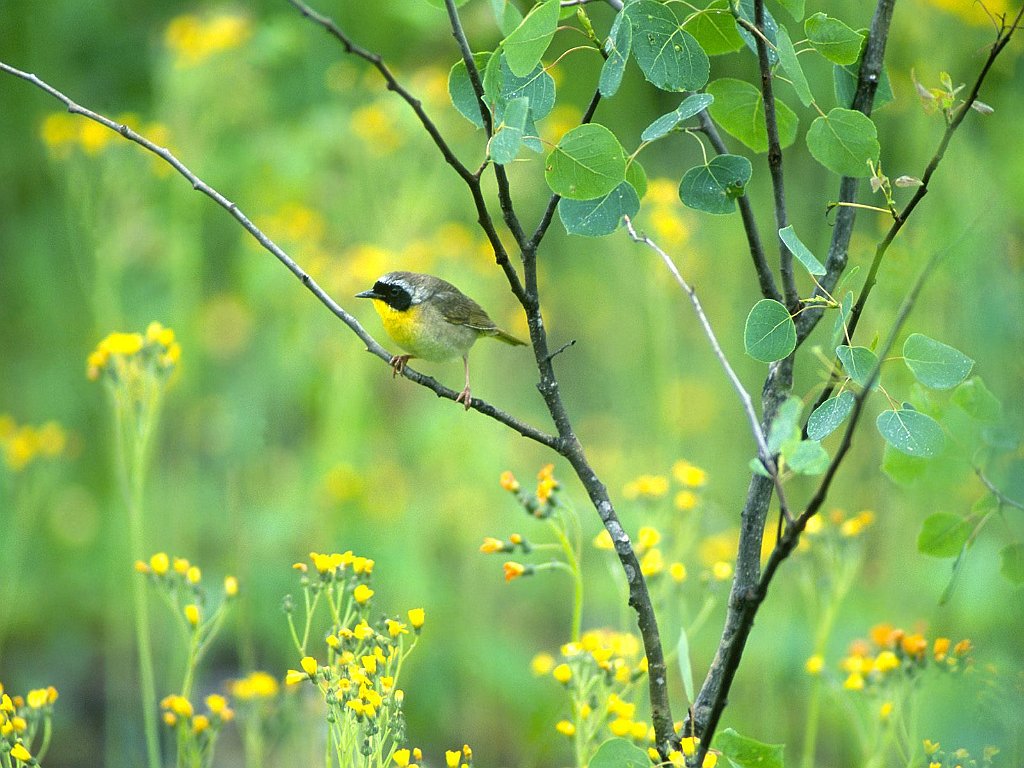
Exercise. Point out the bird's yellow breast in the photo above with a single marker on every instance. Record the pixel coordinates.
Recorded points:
(424, 332)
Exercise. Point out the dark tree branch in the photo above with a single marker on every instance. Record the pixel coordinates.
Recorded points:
(774, 153)
(748, 604)
(471, 179)
(868, 78)
(764, 273)
(1002, 39)
(199, 185)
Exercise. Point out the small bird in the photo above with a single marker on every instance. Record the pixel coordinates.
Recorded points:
(431, 319)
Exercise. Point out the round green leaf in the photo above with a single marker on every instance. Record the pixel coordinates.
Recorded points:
(806, 457)
(715, 29)
(769, 333)
(827, 417)
(1012, 562)
(637, 177)
(833, 39)
(977, 401)
(689, 107)
(744, 752)
(843, 141)
(858, 362)
(528, 42)
(587, 163)
(902, 469)
(460, 88)
(943, 535)
(911, 432)
(935, 364)
(620, 753)
(739, 110)
(502, 87)
(508, 134)
(713, 188)
(669, 56)
(594, 218)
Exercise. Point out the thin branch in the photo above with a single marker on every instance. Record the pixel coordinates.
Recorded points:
(764, 273)
(199, 185)
(774, 151)
(1003, 38)
(764, 454)
(471, 179)
(751, 602)
(1001, 497)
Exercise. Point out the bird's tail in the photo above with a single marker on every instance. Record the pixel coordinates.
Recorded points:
(508, 338)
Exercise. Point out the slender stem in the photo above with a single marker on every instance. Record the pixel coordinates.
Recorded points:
(764, 273)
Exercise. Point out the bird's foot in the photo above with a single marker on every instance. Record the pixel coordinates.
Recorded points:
(397, 364)
(464, 398)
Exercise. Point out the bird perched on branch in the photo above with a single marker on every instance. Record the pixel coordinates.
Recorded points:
(431, 319)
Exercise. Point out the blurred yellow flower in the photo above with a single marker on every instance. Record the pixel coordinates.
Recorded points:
(815, 664)
(192, 39)
(375, 126)
(603, 540)
(565, 728)
(685, 501)
(646, 487)
(562, 673)
(542, 664)
(689, 475)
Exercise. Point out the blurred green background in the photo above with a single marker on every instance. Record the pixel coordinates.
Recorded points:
(280, 435)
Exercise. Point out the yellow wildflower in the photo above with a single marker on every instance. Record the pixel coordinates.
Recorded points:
(687, 474)
(542, 664)
(677, 571)
(230, 586)
(402, 757)
(416, 618)
(362, 593)
(513, 570)
(814, 664)
(160, 563)
(603, 540)
(191, 612)
(565, 728)
(652, 563)
(685, 501)
(562, 673)
(492, 545)
(721, 570)
(646, 487)
(452, 757)
(508, 482)
(18, 752)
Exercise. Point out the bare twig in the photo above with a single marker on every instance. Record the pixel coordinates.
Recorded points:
(1001, 497)
(764, 273)
(199, 185)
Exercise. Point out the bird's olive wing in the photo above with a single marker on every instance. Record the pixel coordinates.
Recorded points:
(459, 309)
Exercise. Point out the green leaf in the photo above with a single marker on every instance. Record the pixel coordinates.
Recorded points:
(769, 333)
(620, 40)
(620, 753)
(844, 83)
(460, 88)
(1012, 563)
(785, 426)
(670, 58)
(839, 329)
(827, 417)
(902, 469)
(501, 87)
(975, 399)
(833, 39)
(508, 135)
(858, 362)
(744, 752)
(795, 8)
(943, 535)
(637, 178)
(912, 432)
(713, 188)
(843, 141)
(739, 110)
(587, 163)
(715, 29)
(800, 251)
(601, 216)
(528, 42)
(791, 65)
(806, 457)
(685, 665)
(440, 3)
(689, 107)
(507, 15)
(935, 364)
(770, 27)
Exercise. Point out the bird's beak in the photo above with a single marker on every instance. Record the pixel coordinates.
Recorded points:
(370, 294)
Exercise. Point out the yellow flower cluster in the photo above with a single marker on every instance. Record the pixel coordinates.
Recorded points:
(958, 758)
(21, 444)
(873, 662)
(544, 500)
(192, 39)
(63, 133)
(333, 567)
(180, 714)
(130, 357)
(689, 479)
(256, 686)
(181, 582)
(22, 718)
(679, 758)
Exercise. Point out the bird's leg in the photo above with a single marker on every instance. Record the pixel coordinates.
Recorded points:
(397, 364)
(464, 394)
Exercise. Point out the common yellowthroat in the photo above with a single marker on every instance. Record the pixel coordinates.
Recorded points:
(431, 319)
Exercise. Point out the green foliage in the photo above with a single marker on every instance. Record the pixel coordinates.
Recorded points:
(588, 162)
(935, 364)
(833, 39)
(600, 216)
(791, 65)
(977, 401)
(943, 535)
(769, 333)
(801, 252)
(713, 188)
(714, 28)
(690, 106)
(844, 141)
(1011, 562)
(911, 432)
(858, 362)
(739, 110)
(528, 42)
(685, 664)
(508, 134)
(617, 46)
(827, 417)
(669, 56)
